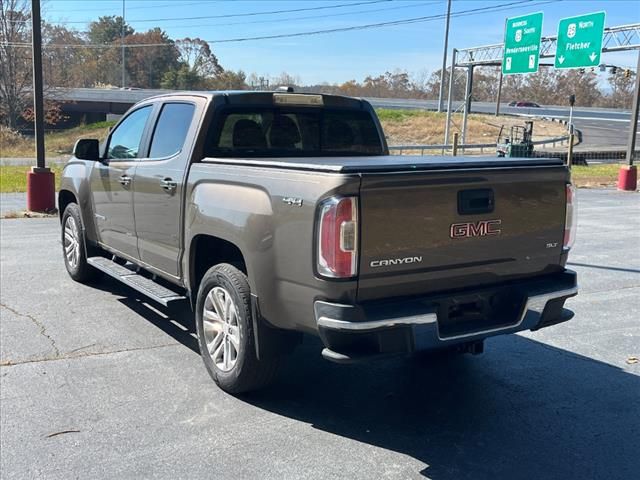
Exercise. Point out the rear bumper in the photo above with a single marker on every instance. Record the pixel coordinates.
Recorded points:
(351, 332)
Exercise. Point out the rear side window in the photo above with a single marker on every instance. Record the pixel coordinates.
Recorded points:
(124, 142)
(171, 129)
(271, 131)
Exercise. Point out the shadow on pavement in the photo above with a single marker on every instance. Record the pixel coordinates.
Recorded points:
(176, 322)
(524, 409)
(603, 267)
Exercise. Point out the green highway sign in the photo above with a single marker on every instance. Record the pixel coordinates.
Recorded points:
(522, 44)
(580, 41)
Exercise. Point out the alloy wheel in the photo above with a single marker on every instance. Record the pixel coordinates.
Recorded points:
(221, 328)
(71, 242)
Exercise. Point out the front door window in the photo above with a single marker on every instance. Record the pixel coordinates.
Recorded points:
(124, 143)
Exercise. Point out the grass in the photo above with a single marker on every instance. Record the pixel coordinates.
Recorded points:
(388, 115)
(601, 175)
(58, 143)
(13, 178)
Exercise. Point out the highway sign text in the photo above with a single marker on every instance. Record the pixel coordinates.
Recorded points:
(522, 44)
(580, 41)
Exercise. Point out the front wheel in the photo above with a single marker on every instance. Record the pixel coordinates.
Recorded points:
(225, 332)
(74, 248)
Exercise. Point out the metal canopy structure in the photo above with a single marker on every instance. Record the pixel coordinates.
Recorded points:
(615, 39)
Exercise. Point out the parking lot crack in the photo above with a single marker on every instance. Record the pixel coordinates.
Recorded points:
(37, 323)
(81, 355)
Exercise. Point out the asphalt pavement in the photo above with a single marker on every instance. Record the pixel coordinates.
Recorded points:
(95, 382)
(13, 202)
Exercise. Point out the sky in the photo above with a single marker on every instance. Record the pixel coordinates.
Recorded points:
(339, 56)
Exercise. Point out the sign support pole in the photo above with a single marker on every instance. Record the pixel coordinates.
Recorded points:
(124, 77)
(38, 102)
(628, 174)
(499, 93)
(571, 118)
(467, 102)
(444, 58)
(40, 181)
(452, 76)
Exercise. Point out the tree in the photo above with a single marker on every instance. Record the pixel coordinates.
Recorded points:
(582, 84)
(146, 65)
(196, 68)
(433, 85)
(485, 84)
(63, 66)
(182, 78)
(196, 54)
(286, 79)
(15, 61)
(351, 88)
(105, 63)
(621, 90)
(228, 80)
(107, 30)
(514, 88)
(542, 86)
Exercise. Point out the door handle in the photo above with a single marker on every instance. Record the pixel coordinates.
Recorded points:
(168, 184)
(125, 180)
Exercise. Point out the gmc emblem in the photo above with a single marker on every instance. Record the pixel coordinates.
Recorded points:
(475, 229)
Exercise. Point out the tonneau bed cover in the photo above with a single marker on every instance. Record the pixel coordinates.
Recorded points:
(386, 163)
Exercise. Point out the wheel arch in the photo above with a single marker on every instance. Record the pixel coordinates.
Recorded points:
(75, 187)
(207, 250)
(65, 197)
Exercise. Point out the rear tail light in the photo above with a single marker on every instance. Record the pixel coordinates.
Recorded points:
(338, 237)
(570, 223)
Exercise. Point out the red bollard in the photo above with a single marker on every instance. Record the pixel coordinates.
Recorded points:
(628, 178)
(40, 190)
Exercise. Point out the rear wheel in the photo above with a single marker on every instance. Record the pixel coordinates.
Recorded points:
(74, 247)
(225, 332)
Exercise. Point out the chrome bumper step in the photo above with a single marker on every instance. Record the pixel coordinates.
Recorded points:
(146, 286)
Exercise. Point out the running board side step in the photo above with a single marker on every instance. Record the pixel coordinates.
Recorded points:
(146, 286)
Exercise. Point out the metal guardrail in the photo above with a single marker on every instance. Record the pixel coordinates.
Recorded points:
(472, 146)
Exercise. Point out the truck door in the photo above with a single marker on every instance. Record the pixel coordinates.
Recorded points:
(159, 185)
(112, 182)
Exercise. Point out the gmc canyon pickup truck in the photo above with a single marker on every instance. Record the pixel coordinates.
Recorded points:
(281, 214)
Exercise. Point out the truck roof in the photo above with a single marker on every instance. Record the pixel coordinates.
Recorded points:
(259, 97)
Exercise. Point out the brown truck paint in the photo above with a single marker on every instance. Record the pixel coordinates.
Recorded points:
(434, 232)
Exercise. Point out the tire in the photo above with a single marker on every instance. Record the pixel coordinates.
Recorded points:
(74, 246)
(225, 336)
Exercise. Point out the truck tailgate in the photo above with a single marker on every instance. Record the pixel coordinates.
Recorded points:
(424, 232)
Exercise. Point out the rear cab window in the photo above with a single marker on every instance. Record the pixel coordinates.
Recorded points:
(171, 130)
(267, 131)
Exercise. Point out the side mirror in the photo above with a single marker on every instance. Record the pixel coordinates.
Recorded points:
(87, 149)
